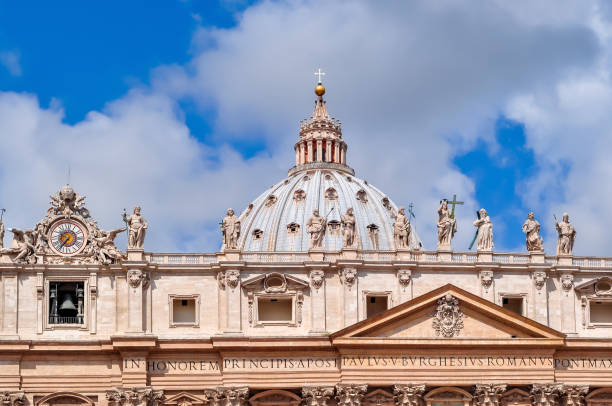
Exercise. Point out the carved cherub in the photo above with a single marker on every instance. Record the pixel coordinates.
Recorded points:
(23, 246)
(106, 249)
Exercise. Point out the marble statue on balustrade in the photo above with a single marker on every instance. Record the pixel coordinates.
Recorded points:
(349, 229)
(316, 226)
(484, 237)
(230, 227)
(567, 236)
(137, 226)
(401, 229)
(531, 229)
(447, 226)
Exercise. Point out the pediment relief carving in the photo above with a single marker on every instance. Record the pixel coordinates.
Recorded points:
(275, 282)
(601, 286)
(274, 398)
(378, 397)
(184, 399)
(515, 397)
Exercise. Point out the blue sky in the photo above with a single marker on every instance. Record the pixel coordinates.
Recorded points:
(202, 65)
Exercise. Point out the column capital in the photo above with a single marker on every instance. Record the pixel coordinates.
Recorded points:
(409, 394)
(226, 396)
(12, 398)
(350, 394)
(545, 394)
(317, 395)
(573, 395)
(489, 394)
(135, 396)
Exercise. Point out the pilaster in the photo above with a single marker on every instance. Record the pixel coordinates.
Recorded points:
(349, 280)
(488, 394)
(9, 303)
(93, 302)
(40, 297)
(137, 283)
(540, 297)
(229, 280)
(487, 285)
(134, 396)
(404, 282)
(316, 395)
(409, 394)
(350, 394)
(317, 301)
(568, 304)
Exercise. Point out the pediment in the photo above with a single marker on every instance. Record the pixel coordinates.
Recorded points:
(601, 286)
(183, 398)
(449, 313)
(274, 282)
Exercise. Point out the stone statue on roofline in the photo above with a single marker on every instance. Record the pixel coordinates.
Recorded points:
(137, 227)
(230, 227)
(485, 231)
(447, 226)
(316, 226)
(401, 229)
(567, 236)
(349, 229)
(531, 229)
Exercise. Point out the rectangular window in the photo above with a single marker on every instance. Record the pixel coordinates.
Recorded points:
(275, 309)
(514, 304)
(66, 303)
(376, 305)
(184, 310)
(600, 312)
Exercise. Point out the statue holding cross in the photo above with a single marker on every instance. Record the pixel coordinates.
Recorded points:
(447, 225)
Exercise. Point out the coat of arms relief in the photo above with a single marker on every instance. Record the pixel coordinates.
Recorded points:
(448, 317)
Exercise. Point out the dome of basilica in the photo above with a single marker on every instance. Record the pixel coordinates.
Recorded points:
(321, 180)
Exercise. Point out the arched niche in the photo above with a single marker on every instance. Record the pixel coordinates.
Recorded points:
(600, 397)
(275, 398)
(516, 397)
(448, 396)
(64, 398)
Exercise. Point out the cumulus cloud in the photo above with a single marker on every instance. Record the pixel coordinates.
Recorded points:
(10, 61)
(414, 83)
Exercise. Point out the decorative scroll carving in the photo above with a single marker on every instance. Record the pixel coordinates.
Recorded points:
(226, 396)
(488, 394)
(408, 394)
(448, 317)
(486, 279)
(316, 279)
(9, 398)
(403, 277)
(228, 278)
(348, 276)
(573, 395)
(136, 276)
(539, 279)
(349, 394)
(135, 396)
(316, 395)
(545, 394)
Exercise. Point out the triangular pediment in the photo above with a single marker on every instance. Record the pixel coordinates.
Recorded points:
(449, 314)
(183, 398)
(274, 282)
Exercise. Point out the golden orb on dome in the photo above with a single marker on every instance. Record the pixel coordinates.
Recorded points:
(320, 90)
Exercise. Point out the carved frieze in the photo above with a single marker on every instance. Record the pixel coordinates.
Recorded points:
(349, 394)
(229, 279)
(317, 395)
(408, 394)
(489, 394)
(573, 395)
(12, 398)
(545, 394)
(448, 317)
(135, 396)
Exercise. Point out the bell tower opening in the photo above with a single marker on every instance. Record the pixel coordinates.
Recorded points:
(66, 302)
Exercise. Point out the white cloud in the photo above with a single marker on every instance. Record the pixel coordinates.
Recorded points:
(10, 61)
(412, 82)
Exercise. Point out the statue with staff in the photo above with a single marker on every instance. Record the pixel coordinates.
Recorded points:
(484, 232)
(137, 228)
(567, 235)
(316, 227)
(447, 224)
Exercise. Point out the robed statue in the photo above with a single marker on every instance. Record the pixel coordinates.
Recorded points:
(485, 231)
(230, 227)
(401, 229)
(137, 227)
(447, 226)
(531, 229)
(567, 236)
(316, 226)
(348, 229)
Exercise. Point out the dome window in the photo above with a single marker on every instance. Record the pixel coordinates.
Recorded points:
(386, 203)
(331, 194)
(271, 200)
(334, 227)
(293, 228)
(257, 234)
(328, 177)
(306, 178)
(362, 196)
(299, 195)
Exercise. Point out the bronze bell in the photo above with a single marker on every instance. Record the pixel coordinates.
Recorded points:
(67, 307)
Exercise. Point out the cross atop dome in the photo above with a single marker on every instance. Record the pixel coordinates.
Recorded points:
(321, 143)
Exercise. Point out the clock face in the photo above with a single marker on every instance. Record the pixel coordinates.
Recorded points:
(67, 237)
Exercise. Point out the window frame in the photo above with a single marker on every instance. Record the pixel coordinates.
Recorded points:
(523, 296)
(262, 295)
(374, 293)
(86, 303)
(174, 296)
(587, 311)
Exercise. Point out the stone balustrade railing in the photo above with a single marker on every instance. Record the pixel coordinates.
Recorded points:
(383, 256)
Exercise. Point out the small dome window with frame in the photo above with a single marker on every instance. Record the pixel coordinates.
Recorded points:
(362, 196)
(331, 194)
(293, 228)
(271, 200)
(386, 203)
(299, 195)
(257, 234)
